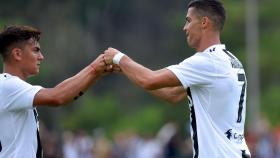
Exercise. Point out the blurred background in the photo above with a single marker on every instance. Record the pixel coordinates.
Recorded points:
(115, 119)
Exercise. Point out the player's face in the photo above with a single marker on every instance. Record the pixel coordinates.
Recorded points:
(31, 58)
(193, 28)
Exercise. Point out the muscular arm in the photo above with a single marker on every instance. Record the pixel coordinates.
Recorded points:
(171, 94)
(146, 78)
(161, 83)
(70, 88)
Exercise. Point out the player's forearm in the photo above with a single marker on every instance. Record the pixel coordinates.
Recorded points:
(76, 85)
(138, 74)
(73, 87)
(68, 90)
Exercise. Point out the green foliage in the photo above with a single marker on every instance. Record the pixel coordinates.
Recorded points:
(12, 21)
(234, 26)
(106, 113)
(270, 104)
(1, 65)
(93, 112)
(75, 32)
(269, 56)
(145, 121)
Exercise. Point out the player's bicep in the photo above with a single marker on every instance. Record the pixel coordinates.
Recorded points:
(45, 97)
(176, 94)
(165, 78)
(171, 94)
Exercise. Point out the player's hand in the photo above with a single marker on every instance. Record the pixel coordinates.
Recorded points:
(111, 68)
(116, 68)
(109, 55)
(99, 65)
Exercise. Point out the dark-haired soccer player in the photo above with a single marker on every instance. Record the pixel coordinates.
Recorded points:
(22, 56)
(213, 79)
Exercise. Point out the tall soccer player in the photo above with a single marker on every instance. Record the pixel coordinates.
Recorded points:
(22, 56)
(213, 79)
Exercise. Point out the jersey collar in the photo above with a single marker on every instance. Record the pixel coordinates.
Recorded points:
(215, 47)
(6, 75)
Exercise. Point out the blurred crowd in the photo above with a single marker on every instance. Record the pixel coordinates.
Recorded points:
(167, 143)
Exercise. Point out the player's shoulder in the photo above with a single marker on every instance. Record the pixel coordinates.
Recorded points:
(199, 59)
(11, 83)
(220, 55)
(209, 53)
(7, 78)
(198, 63)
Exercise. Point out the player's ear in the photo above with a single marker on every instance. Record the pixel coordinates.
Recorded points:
(205, 22)
(16, 54)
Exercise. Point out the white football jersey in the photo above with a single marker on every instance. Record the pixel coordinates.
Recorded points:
(18, 118)
(216, 85)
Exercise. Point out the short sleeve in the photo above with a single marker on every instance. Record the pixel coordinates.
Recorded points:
(194, 71)
(17, 94)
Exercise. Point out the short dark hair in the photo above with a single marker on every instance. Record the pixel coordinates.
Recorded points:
(16, 34)
(213, 9)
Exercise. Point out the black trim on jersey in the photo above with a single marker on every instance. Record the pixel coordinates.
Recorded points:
(235, 63)
(39, 149)
(193, 124)
(244, 155)
(39, 146)
(189, 92)
(231, 56)
(35, 115)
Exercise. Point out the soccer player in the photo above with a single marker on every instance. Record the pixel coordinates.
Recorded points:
(213, 79)
(22, 56)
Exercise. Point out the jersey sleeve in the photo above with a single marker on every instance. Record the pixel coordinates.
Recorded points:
(194, 71)
(18, 94)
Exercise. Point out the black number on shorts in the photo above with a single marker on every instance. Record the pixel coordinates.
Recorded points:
(241, 77)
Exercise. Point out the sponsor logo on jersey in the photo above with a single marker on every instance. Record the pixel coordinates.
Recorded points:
(229, 133)
(237, 137)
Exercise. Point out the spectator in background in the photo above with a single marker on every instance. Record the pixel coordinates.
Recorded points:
(69, 145)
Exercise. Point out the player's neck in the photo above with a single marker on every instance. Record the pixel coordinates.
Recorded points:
(12, 70)
(208, 41)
